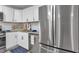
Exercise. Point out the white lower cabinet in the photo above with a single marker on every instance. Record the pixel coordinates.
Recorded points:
(23, 40)
(17, 38)
(11, 40)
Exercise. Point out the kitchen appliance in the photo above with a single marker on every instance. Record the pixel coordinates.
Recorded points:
(1, 16)
(2, 38)
(66, 27)
(2, 42)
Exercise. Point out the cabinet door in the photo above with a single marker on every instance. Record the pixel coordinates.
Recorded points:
(30, 14)
(1, 7)
(35, 15)
(11, 40)
(25, 19)
(8, 14)
(17, 15)
(26, 15)
(23, 41)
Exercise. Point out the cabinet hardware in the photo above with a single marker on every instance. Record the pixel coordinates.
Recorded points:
(33, 19)
(27, 19)
(22, 37)
(15, 36)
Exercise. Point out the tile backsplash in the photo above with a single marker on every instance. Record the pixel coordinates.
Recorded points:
(19, 27)
(35, 26)
(6, 26)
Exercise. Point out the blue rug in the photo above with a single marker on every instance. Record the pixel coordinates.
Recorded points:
(19, 49)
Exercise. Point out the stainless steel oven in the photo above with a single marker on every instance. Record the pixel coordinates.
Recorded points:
(1, 16)
(2, 39)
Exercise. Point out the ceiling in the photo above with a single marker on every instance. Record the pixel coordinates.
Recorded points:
(19, 6)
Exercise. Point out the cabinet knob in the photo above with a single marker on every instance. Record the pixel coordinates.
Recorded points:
(22, 37)
(33, 19)
(15, 36)
(27, 19)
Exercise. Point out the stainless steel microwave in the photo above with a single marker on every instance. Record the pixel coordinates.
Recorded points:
(1, 16)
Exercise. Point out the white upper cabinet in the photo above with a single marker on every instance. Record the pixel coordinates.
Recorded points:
(35, 15)
(25, 17)
(28, 14)
(8, 14)
(17, 15)
(1, 8)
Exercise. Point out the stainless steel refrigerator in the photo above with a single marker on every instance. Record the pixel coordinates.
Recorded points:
(64, 30)
(66, 27)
